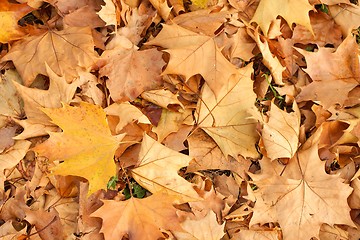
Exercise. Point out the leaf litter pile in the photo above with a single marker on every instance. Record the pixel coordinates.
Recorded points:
(179, 119)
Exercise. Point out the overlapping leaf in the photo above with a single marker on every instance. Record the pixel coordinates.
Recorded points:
(86, 145)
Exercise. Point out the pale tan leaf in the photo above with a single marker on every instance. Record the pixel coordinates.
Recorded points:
(157, 171)
(310, 196)
(226, 118)
(64, 51)
(281, 133)
(269, 60)
(192, 53)
(292, 11)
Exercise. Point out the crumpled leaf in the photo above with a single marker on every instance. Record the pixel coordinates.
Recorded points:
(302, 198)
(192, 53)
(328, 77)
(85, 145)
(141, 219)
(292, 11)
(226, 118)
(269, 60)
(64, 51)
(157, 171)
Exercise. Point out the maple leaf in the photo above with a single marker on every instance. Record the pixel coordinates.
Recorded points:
(206, 228)
(64, 51)
(108, 13)
(293, 11)
(11, 104)
(86, 145)
(157, 171)
(281, 133)
(127, 83)
(10, 14)
(192, 53)
(226, 118)
(171, 122)
(35, 99)
(269, 60)
(329, 77)
(139, 218)
(302, 198)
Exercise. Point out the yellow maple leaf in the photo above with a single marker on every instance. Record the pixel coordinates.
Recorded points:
(86, 145)
(293, 11)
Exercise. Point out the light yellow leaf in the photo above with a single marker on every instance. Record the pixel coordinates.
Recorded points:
(293, 11)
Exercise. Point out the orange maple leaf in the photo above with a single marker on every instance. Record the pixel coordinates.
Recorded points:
(141, 219)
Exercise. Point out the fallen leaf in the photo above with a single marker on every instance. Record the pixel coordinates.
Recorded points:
(328, 77)
(64, 51)
(127, 83)
(307, 193)
(269, 60)
(347, 16)
(157, 171)
(85, 145)
(108, 13)
(281, 133)
(202, 229)
(187, 52)
(292, 11)
(226, 119)
(34, 99)
(10, 14)
(138, 218)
